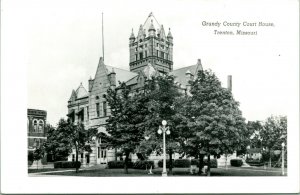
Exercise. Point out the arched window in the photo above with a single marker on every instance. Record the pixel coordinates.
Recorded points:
(35, 125)
(41, 126)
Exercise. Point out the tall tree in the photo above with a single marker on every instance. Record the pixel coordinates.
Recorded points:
(163, 97)
(125, 124)
(214, 118)
(274, 133)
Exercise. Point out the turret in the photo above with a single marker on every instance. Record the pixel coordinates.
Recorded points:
(132, 37)
(151, 30)
(170, 37)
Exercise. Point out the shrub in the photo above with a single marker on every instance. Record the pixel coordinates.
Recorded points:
(236, 162)
(213, 162)
(66, 164)
(143, 164)
(182, 163)
(118, 164)
(160, 163)
(254, 162)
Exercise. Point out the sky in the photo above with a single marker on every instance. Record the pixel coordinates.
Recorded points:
(61, 46)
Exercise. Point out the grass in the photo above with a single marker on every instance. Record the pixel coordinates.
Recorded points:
(217, 172)
(45, 170)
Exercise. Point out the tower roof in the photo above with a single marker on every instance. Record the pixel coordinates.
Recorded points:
(132, 35)
(81, 91)
(151, 23)
(169, 34)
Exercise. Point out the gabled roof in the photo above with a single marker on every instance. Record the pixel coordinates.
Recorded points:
(73, 96)
(180, 74)
(121, 74)
(81, 92)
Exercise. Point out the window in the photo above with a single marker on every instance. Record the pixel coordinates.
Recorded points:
(104, 109)
(141, 55)
(136, 57)
(41, 126)
(145, 54)
(87, 113)
(98, 152)
(35, 126)
(167, 57)
(157, 45)
(36, 142)
(97, 109)
(162, 46)
(162, 54)
(73, 157)
(157, 53)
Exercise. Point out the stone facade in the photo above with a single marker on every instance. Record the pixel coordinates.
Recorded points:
(152, 46)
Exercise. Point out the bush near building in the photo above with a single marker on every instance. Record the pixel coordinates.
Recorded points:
(118, 164)
(143, 164)
(236, 162)
(213, 162)
(182, 163)
(66, 164)
(160, 163)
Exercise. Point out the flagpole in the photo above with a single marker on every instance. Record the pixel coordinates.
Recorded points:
(102, 39)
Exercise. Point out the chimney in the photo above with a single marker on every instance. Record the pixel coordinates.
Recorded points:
(112, 78)
(229, 82)
(91, 81)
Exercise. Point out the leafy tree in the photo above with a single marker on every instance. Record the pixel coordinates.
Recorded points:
(274, 133)
(214, 118)
(125, 124)
(163, 99)
(65, 137)
(53, 146)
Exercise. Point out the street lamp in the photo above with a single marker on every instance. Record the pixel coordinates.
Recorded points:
(282, 158)
(164, 130)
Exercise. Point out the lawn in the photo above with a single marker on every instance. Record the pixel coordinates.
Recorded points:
(176, 172)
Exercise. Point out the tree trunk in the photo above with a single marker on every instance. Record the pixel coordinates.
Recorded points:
(201, 164)
(170, 162)
(116, 158)
(126, 161)
(208, 164)
(270, 160)
(76, 161)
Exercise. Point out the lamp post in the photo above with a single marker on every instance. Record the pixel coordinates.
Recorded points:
(282, 158)
(164, 130)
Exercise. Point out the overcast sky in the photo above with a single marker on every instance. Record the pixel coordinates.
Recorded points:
(61, 44)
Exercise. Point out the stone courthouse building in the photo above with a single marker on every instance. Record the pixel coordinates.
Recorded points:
(151, 53)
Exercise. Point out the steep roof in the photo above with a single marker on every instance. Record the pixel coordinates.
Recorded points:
(121, 74)
(81, 92)
(180, 74)
(151, 22)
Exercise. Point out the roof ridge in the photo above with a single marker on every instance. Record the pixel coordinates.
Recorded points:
(120, 68)
(184, 67)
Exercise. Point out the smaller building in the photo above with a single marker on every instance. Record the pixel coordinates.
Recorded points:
(36, 133)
